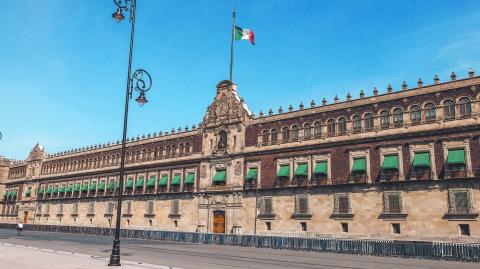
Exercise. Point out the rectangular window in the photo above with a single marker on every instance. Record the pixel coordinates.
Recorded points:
(128, 208)
(301, 204)
(304, 226)
(91, 208)
(266, 207)
(109, 208)
(75, 208)
(150, 207)
(459, 202)
(60, 209)
(269, 225)
(396, 228)
(175, 207)
(46, 209)
(392, 203)
(464, 229)
(344, 227)
(342, 203)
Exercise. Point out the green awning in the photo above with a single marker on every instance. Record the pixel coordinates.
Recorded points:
(456, 156)
(77, 187)
(176, 179)
(139, 182)
(84, 186)
(190, 178)
(151, 182)
(321, 168)
(111, 185)
(252, 174)
(13, 193)
(284, 171)
(69, 188)
(421, 159)
(101, 186)
(93, 186)
(42, 190)
(61, 189)
(129, 184)
(55, 189)
(359, 165)
(220, 176)
(163, 180)
(390, 162)
(28, 192)
(50, 189)
(302, 170)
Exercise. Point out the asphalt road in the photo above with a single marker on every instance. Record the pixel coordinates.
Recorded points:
(192, 256)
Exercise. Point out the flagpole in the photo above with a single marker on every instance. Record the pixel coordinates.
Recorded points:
(231, 46)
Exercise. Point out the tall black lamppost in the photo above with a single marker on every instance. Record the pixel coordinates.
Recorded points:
(142, 82)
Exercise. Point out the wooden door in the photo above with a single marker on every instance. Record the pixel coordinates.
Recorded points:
(25, 217)
(219, 221)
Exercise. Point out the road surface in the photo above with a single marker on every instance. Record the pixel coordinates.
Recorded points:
(193, 256)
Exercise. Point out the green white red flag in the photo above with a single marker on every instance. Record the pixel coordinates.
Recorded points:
(247, 34)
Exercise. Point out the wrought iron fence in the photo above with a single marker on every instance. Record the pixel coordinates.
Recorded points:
(393, 248)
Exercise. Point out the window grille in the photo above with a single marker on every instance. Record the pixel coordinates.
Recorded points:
(75, 208)
(60, 209)
(392, 203)
(91, 208)
(175, 207)
(150, 207)
(128, 208)
(266, 206)
(459, 202)
(110, 206)
(301, 204)
(342, 204)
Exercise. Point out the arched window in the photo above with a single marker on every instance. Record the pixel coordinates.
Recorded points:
(398, 117)
(465, 107)
(430, 112)
(295, 132)
(160, 153)
(274, 136)
(285, 134)
(317, 129)
(369, 121)
(357, 123)
(415, 114)
(385, 119)
(174, 151)
(180, 149)
(331, 127)
(265, 137)
(342, 125)
(307, 131)
(187, 147)
(167, 152)
(449, 109)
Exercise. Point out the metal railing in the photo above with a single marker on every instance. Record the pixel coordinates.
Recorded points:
(464, 252)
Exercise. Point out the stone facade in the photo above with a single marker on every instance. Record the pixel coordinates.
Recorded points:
(403, 164)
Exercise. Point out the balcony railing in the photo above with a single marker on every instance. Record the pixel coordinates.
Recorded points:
(389, 176)
(358, 178)
(449, 174)
(420, 175)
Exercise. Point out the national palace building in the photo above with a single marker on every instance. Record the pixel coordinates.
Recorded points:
(398, 163)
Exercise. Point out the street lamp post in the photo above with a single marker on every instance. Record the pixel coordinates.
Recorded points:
(141, 81)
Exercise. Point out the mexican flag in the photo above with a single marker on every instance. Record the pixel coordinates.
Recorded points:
(241, 33)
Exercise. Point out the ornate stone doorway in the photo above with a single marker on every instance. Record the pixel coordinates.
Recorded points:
(219, 221)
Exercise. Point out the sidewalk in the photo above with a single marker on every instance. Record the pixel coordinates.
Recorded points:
(24, 257)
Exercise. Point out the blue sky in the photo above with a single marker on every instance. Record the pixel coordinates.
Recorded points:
(63, 63)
